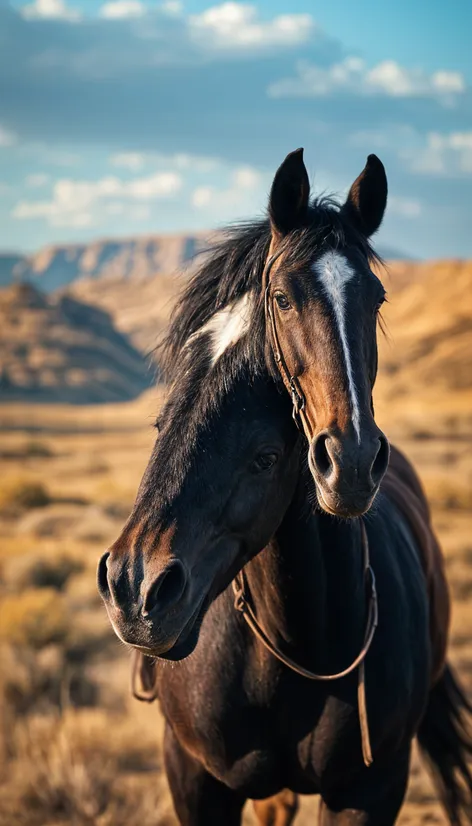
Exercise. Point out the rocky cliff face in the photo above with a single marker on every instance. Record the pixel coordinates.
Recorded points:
(11, 266)
(135, 258)
(60, 349)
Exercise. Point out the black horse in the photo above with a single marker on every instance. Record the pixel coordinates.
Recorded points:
(227, 488)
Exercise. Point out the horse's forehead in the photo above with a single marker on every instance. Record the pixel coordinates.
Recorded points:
(333, 271)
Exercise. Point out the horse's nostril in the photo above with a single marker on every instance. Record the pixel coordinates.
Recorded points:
(380, 463)
(167, 590)
(102, 576)
(321, 456)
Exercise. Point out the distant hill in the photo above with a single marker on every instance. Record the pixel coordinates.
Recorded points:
(140, 258)
(425, 375)
(62, 350)
(140, 307)
(11, 267)
(136, 258)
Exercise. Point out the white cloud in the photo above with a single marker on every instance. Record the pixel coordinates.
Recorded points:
(37, 180)
(245, 180)
(448, 82)
(7, 138)
(172, 7)
(352, 76)
(75, 202)
(133, 161)
(202, 196)
(435, 153)
(237, 26)
(115, 208)
(50, 10)
(58, 157)
(406, 207)
(139, 213)
(121, 9)
(448, 155)
(160, 185)
(397, 81)
(133, 213)
(195, 163)
(245, 177)
(394, 136)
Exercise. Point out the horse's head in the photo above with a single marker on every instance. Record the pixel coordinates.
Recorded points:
(220, 478)
(322, 302)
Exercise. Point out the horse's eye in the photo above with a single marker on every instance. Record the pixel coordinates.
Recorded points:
(381, 301)
(282, 301)
(263, 462)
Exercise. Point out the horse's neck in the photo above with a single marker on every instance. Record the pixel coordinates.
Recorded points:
(307, 588)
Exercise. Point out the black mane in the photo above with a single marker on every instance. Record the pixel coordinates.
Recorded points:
(234, 265)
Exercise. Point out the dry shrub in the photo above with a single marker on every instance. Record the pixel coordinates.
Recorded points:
(445, 494)
(34, 618)
(32, 681)
(23, 494)
(34, 571)
(29, 450)
(46, 650)
(40, 450)
(29, 679)
(72, 519)
(90, 636)
(70, 769)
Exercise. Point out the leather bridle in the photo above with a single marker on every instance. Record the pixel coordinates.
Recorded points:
(291, 382)
(243, 602)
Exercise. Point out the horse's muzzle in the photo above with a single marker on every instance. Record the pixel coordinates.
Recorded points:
(348, 471)
(155, 618)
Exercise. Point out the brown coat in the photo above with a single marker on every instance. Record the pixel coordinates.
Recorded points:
(403, 488)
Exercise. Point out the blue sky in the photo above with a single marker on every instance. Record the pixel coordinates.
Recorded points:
(124, 116)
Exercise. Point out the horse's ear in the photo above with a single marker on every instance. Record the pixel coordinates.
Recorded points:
(288, 202)
(367, 199)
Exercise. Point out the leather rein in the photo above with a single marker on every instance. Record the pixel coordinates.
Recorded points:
(242, 601)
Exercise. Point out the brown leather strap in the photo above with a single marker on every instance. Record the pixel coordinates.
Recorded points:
(242, 603)
(291, 382)
(143, 677)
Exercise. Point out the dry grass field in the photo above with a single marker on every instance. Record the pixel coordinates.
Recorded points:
(75, 748)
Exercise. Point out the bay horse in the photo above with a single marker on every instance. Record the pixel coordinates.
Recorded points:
(226, 490)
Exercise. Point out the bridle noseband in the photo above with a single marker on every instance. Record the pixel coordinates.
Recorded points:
(242, 601)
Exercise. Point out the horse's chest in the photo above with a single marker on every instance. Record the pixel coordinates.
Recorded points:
(283, 731)
(258, 727)
(276, 733)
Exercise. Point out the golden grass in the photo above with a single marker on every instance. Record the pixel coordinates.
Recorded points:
(33, 618)
(83, 768)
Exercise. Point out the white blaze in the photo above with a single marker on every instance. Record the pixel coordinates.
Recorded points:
(334, 272)
(227, 326)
